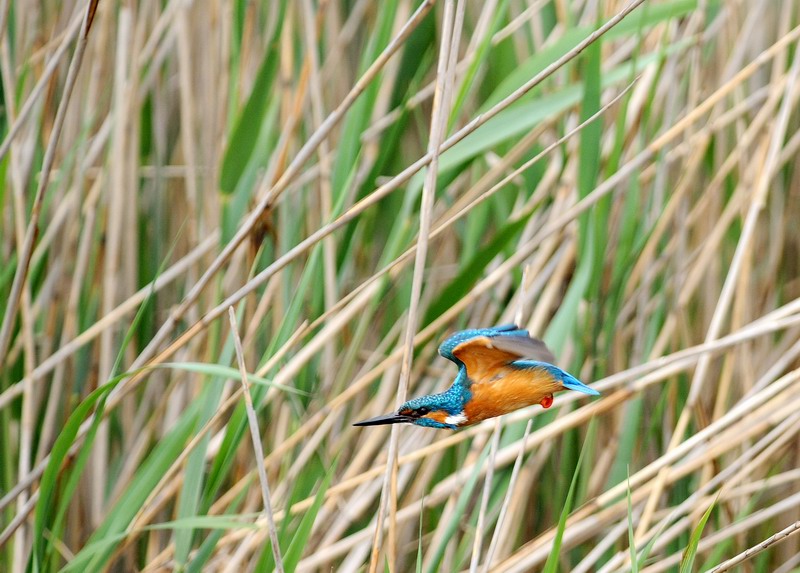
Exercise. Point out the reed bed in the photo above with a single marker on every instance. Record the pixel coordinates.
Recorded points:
(231, 229)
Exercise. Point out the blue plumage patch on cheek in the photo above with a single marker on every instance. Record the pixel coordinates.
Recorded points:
(430, 423)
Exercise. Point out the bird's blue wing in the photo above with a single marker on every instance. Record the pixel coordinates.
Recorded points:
(482, 353)
(449, 345)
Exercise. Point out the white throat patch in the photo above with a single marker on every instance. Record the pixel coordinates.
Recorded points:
(456, 420)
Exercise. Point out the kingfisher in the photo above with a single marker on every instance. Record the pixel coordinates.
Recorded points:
(500, 369)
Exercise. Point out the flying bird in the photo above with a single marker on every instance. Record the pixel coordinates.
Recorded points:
(500, 369)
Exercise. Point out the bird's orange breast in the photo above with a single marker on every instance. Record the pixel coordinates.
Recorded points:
(509, 389)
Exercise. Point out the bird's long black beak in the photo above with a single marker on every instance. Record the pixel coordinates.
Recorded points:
(392, 418)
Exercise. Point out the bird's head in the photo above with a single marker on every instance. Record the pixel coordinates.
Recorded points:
(444, 411)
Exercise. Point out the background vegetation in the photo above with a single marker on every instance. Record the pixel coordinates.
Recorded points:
(632, 197)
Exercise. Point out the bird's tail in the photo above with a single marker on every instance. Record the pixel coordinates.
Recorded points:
(572, 383)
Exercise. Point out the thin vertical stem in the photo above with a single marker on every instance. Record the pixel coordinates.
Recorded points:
(257, 446)
(439, 118)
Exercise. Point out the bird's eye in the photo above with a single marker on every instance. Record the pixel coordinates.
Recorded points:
(422, 411)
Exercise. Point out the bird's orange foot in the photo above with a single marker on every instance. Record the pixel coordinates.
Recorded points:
(547, 401)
